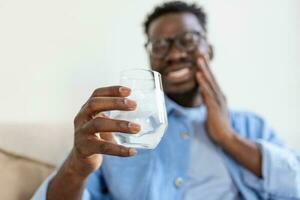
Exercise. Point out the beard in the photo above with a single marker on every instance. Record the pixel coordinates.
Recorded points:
(186, 98)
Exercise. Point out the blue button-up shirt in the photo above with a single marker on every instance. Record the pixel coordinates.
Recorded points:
(207, 175)
(164, 173)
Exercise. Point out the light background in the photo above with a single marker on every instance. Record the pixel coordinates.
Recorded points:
(53, 54)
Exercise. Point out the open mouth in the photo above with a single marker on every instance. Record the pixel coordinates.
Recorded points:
(179, 75)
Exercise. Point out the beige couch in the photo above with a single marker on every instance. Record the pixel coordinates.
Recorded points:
(28, 154)
(20, 176)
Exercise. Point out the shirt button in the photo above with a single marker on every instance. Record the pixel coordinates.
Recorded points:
(184, 135)
(178, 182)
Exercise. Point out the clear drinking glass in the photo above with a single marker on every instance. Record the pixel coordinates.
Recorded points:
(146, 90)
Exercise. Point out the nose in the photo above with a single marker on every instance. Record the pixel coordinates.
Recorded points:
(175, 54)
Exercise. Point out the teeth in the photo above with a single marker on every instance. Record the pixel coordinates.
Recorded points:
(178, 73)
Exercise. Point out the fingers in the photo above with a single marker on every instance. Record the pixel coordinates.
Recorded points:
(100, 104)
(112, 91)
(204, 68)
(93, 135)
(202, 65)
(207, 93)
(96, 105)
(113, 149)
(101, 125)
(90, 146)
(106, 136)
(206, 75)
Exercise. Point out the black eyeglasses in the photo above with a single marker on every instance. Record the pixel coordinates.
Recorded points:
(188, 41)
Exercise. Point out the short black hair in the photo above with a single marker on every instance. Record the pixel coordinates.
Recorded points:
(175, 7)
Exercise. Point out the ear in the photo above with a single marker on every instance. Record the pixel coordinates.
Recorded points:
(210, 52)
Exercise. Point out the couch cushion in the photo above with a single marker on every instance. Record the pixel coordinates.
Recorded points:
(20, 176)
(48, 142)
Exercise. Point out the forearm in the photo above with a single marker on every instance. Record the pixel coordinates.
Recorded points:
(66, 184)
(244, 152)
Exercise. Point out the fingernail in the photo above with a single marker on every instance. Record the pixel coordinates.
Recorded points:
(135, 128)
(124, 90)
(132, 152)
(130, 103)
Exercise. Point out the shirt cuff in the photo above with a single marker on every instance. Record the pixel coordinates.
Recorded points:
(41, 193)
(280, 172)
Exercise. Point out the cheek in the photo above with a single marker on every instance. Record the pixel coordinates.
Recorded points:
(156, 64)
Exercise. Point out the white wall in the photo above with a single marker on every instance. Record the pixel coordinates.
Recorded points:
(257, 59)
(54, 53)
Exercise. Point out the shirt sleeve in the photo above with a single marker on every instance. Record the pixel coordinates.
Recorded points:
(280, 165)
(41, 193)
(96, 188)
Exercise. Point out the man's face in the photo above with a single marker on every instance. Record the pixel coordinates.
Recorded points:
(177, 65)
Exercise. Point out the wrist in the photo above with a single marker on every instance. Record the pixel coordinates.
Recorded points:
(68, 183)
(228, 139)
(75, 167)
(237, 147)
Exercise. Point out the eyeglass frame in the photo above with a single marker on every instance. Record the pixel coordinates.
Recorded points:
(175, 40)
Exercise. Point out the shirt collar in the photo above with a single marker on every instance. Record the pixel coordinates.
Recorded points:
(195, 113)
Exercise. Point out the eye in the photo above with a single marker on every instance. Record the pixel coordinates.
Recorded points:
(159, 46)
(189, 41)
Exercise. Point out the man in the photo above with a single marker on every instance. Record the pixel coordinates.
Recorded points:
(208, 152)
